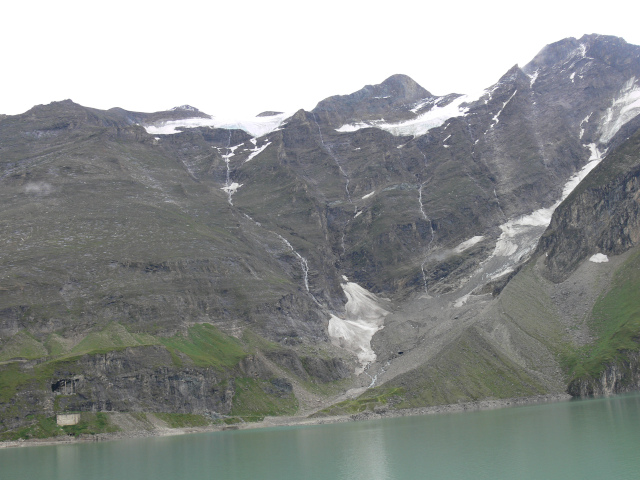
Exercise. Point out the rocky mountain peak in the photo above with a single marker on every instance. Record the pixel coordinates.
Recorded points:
(602, 48)
(613, 51)
(392, 100)
(60, 105)
(514, 76)
(185, 108)
(553, 53)
(400, 87)
(269, 113)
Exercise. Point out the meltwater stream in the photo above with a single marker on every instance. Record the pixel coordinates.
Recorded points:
(595, 439)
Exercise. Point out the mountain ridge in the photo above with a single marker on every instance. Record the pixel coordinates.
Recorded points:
(223, 255)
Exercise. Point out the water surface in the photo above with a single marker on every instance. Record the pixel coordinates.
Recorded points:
(598, 438)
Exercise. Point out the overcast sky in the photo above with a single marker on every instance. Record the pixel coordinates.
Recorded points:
(243, 57)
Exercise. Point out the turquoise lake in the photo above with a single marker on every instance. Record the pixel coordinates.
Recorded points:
(587, 439)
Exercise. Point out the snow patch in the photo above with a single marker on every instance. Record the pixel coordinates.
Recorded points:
(496, 118)
(599, 258)
(364, 197)
(520, 235)
(572, 183)
(534, 77)
(625, 107)
(435, 117)
(256, 126)
(461, 301)
(231, 150)
(257, 151)
(186, 108)
(353, 127)
(424, 102)
(468, 243)
(38, 188)
(364, 316)
(232, 188)
(583, 50)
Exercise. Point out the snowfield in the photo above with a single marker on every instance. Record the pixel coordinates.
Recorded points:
(420, 125)
(364, 316)
(520, 235)
(623, 109)
(256, 126)
(468, 243)
(599, 258)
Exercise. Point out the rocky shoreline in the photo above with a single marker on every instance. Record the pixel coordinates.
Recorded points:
(271, 422)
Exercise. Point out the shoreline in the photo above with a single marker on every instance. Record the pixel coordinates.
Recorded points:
(274, 422)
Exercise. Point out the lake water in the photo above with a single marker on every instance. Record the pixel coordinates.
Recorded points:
(594, 439)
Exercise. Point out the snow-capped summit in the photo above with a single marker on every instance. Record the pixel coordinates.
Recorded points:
(186, 108)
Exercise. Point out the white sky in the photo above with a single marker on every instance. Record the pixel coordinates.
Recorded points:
(230, 57)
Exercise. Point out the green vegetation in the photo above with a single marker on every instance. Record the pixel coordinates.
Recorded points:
(615, 321)
(527, 306)
(22, 345)
(203, 344)
(46, 427)
(40, 427)
(57, 345)
(255, 399)
(112, 337)
(255, 342)
(206, 346)
(368, 401)
(90, 424)
(469, 370)
(11, 378)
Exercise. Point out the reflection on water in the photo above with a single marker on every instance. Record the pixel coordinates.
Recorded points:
(578, 439)
(365, 456)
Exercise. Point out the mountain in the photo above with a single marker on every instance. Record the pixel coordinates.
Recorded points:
(391, 99)
(388, 249)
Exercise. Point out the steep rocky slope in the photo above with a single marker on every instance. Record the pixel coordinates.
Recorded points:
(600, 222)
(175, 262)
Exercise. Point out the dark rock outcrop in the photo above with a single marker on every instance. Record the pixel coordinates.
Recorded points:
(620, 377)
(601, 216)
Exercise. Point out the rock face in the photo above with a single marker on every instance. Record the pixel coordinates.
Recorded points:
(390, 100)
(153, 270)
(135, 379)
(601, 221)
(622, 377)
(601, 216)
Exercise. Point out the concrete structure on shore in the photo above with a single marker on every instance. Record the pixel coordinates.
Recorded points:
(67, 419)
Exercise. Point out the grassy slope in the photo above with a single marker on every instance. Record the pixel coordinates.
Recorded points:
(254, 399)
(615, 321)
(203, 345)
(46, 427)
(206, 346)
(469, 369)
(511, 352)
